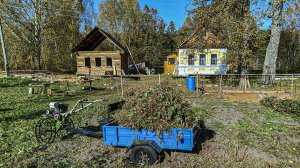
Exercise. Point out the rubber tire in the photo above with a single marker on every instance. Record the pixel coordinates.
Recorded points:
(38, 131)
(147, 150)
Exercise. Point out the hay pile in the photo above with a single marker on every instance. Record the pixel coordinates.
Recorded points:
(158, 108)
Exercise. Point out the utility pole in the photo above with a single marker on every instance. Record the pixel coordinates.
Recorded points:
(4, 51)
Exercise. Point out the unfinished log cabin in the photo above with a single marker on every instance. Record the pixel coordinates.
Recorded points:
(99, 63)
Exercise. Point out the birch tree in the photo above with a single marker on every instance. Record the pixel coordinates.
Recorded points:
(141, 30)
(284, 15)
(241, 31)
(42, 33)
(272, 49)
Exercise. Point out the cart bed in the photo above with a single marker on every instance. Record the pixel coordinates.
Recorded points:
(174, 139)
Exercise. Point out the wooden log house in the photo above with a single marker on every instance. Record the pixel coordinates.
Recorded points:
(100, 62)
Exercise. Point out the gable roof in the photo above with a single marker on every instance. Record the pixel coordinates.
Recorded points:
(94, 39)
(208, 41)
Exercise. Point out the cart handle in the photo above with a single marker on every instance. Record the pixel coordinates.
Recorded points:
(74, 110)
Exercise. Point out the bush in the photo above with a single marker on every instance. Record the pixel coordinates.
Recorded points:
(282, 105)
(158, 108)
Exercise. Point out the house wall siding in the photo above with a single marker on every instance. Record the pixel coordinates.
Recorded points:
(119, 62)
(207, 69)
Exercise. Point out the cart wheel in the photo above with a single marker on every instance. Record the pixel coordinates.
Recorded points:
(62, 132)
(45, 130)
(161, 156)
(143, 155)
(202, 127)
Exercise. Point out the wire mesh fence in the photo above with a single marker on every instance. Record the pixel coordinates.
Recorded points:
(283, 83)
(255, 82)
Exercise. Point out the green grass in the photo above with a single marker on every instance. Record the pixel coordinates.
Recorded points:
(262, 129)
(19, 112)
(218, 126)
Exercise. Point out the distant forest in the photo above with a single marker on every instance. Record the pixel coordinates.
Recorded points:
(40, 34)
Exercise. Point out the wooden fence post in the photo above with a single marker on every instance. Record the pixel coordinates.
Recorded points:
(197, 86)
(122, 85)
(158, 78)
(221, 78)
(280, 85)
(292, 83)
(296, 86)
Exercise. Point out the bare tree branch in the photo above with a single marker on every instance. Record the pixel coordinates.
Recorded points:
(24, 37)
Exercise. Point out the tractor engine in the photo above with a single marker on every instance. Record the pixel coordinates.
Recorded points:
(56, 108)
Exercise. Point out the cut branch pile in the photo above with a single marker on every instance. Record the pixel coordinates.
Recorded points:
(158, 108)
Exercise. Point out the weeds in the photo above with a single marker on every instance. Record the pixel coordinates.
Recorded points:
(283, 105)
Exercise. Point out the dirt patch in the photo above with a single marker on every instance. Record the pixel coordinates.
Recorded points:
(83, 151)
(240, 97)
(267, 157)
(226, 116)
(255, 96)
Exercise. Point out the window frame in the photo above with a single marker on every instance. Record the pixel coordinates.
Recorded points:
(201, 61)
(191, 59)
(171, 59)
(98, 58)
(107, 61)
(89, 62)
(215, 60)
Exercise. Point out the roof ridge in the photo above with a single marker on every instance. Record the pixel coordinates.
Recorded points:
(95, 38)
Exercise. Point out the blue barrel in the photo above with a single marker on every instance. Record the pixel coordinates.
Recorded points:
(191, 83)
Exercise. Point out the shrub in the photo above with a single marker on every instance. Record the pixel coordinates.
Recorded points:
(282, 105)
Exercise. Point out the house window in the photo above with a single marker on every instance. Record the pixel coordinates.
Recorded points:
(109, 62)
(87, 62)
(98, 62)
(202, 59)
(214, 58)
(171, 61)
(191, 59)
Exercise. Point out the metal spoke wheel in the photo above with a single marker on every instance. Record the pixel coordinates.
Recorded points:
(144, 155)
(45, 130)
(63, 132)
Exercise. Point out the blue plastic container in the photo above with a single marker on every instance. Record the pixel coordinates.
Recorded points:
(191, 83)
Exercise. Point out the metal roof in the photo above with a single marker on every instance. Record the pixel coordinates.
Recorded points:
(94, 39)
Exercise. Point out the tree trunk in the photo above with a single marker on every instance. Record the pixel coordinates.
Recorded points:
(269, 69)
(244, 80)
(37, 36)
(4, 51)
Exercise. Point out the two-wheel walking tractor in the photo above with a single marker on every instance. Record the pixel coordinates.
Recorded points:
(146, 145)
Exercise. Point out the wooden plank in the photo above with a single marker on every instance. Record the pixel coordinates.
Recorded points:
(96, 69)
(118, 59)
(99, 52)
(100, 56)
(88, 54)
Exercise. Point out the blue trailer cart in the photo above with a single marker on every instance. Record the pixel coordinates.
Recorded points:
(147, 145)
